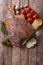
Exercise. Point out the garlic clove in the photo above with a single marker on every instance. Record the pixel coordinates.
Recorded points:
(31, 43)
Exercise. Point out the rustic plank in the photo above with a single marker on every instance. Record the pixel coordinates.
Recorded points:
(39, 59)
(1, 35)
(32, 51)
(15, 49)
(35, 54)
(24, 52)
(1, 54)
(32, 56)
(7, 60)
(6, 50)
(15, 55)
(24, 56)
(1, 49)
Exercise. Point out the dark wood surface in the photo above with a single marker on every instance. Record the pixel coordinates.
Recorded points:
(16, 55)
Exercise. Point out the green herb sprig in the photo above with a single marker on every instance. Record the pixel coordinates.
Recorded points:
(3, 29)
(6, 42)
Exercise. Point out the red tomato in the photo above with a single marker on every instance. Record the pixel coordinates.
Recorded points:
(32, 12)
(27, 9)
(23, 12)
(30, 20)
(35, 16)
(28, 15)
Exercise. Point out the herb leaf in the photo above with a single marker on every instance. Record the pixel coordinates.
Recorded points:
(3, 29)
(6, 42)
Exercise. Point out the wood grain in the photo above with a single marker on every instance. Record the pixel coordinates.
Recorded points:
(1, 48)
(32, 51)
(6, 50)
(24, 52)
(7, 55)
(16, 55)
(36, 53)
(1, 54)
(1, 35)
(39, 51)
(32, 56)
(24, 56)
(15, 49)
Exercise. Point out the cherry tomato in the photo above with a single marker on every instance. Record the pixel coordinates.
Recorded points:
(27, 9)
(23, 12)
(28, 15)
(35, 16)
(32, 12)
(30, 20)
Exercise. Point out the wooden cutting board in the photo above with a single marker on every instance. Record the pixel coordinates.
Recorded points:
(16, 55)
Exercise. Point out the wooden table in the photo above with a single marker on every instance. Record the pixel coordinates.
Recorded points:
(16, 55)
